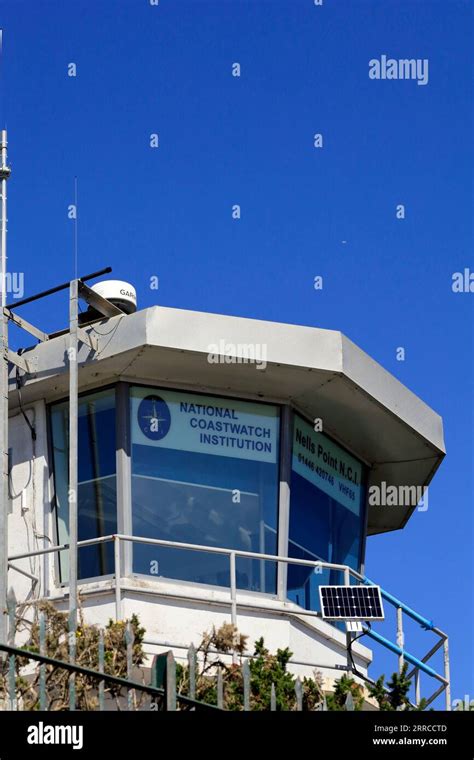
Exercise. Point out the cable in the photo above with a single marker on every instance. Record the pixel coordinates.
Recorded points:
(18, 386)
(349, 649)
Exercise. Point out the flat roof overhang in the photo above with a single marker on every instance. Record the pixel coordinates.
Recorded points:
(321, 372)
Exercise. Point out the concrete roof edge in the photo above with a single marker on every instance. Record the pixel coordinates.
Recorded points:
(207, 329)
(392, 394)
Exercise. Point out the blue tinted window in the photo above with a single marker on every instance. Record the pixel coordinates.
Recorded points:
(204, 471)
(97, 502)
(326, 511)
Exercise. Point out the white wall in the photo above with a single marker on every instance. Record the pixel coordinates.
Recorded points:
(30, 522)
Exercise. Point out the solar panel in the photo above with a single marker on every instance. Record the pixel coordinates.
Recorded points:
(351, 602)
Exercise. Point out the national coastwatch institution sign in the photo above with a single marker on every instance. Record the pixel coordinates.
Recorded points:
(205, 424)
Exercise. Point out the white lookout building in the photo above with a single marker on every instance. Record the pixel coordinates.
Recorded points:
(182, 442)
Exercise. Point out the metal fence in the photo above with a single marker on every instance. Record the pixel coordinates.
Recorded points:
(420, 665)
(164, 697)
(171, 695)
(162, 692)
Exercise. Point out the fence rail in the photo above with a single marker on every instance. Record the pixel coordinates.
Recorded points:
(397, 646)
(168, 696)
(98, 676)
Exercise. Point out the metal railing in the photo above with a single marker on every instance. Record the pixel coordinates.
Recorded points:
(164, 691)
(419, 664)
(98, 676)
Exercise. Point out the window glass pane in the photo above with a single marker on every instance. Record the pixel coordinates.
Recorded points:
(326, 511)
(97, 511)
(204, 471)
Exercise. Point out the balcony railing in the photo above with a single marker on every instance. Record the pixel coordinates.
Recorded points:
(350, 575)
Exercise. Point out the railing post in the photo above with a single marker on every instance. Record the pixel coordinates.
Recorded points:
(261, 563)
(170, 686)
(400, 638)
(299, 694)
(72, 659)
(42, 673)
(192, 671)
(447, 673)
(417, 687)
(349, 702)
(347, 582)
(246, 685)
(101, 669)
(118, 576)
(273, 699)
(129, 640)
(220, 689)
(11, 607)
(233, 588)
(286, 432)
(233, 597)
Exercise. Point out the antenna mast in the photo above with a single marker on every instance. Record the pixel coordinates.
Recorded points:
(4, 175)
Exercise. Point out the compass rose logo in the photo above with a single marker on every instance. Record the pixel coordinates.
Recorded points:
(154, 417)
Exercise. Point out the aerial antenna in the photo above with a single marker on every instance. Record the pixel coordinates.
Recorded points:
(75, 228)
(1, 60)
(4, 175)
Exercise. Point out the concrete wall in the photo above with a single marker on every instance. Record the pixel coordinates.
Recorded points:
(173, 620)
(30, 522)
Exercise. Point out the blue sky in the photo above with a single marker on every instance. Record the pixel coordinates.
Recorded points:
(225, 140)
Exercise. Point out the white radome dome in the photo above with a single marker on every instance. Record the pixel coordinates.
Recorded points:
(118, 292)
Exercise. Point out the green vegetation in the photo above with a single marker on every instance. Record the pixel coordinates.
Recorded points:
(223, 674)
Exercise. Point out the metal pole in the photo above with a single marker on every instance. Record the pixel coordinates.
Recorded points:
(233, 590)
(233, 597)
(4, 174)
(124, 483)
(447, 674)
(347, 582)
(101, 670)
(57, 288)
(73, 453)
(286, 427)
(400, 637)
(417, 687)
(129, 640)
(118, 576)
